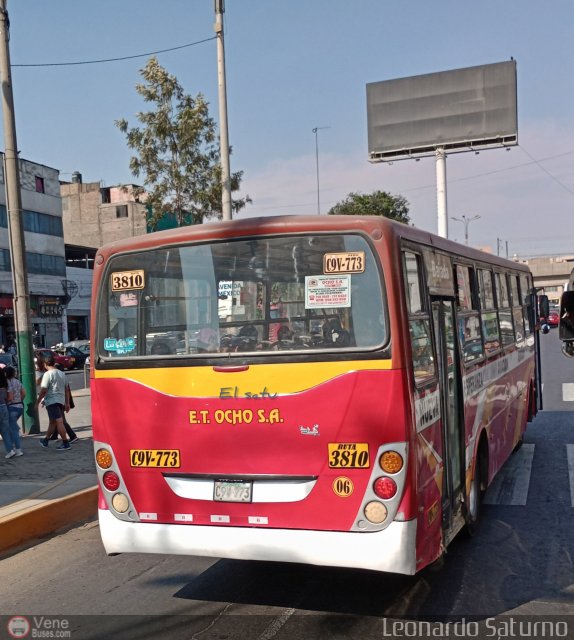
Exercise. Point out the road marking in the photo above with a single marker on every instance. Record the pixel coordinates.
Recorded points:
(510, 485)
(274, 628)
(568, 391)
(570, 456)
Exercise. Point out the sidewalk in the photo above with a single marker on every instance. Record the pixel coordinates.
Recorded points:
(45, 490)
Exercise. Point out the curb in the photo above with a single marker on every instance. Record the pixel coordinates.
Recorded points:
(32, 519)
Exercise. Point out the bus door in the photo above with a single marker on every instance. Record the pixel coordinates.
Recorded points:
(450, 385)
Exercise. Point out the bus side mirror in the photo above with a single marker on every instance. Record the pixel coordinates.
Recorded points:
(545, 328)
(566, 323)
(543, 307)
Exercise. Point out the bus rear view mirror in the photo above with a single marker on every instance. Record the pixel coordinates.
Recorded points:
(566, 323)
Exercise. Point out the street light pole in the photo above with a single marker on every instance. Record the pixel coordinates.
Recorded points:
(466, 221)
(316, 132)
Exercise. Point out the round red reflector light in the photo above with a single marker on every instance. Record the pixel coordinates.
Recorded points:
(385, 488)
(111, 480)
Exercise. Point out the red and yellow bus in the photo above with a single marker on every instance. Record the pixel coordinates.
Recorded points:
(331, 390)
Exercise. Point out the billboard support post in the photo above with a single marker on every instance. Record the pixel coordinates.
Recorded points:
(441, 204)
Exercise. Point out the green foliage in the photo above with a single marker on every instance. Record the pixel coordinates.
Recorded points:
(378, 203)
(176, 153)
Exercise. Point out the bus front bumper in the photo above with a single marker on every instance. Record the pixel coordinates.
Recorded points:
(393, 549)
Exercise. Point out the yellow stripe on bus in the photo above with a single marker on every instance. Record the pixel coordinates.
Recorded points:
(204, 382)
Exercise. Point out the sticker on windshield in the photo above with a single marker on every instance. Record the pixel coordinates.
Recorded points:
(128, 299)
(126, 280)
(120, 345)
(348, 262)
(327, 292)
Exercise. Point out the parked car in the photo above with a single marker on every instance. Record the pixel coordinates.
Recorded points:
(63, 362)
(79, 355)
(82, 345)
(84, 348)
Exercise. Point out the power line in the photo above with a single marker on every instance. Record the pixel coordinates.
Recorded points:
(495, 171)
(433, 186)
(539, 165)
(139, 55)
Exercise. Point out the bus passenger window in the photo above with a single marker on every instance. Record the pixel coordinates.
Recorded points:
(423, 362)
(470, 338)
(490, 331)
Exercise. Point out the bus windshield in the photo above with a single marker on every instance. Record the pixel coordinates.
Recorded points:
(274, 294)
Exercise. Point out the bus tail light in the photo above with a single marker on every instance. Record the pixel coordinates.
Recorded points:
(114, 489)
(104, 459)
(375, 512)
(385, 488)
(391, 462)
(111, 480)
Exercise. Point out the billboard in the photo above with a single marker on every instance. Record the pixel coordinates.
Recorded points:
(458, 110)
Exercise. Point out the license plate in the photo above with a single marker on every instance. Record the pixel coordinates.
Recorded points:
(232, 491)
(154, 458)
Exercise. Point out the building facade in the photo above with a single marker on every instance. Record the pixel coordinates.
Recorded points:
(45, 255)
(94, 215)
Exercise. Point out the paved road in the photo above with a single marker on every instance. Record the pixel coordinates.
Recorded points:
(518, 564)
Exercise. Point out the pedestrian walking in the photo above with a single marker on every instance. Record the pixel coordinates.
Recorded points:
(53, 395)
(41, 368)
(72, 437)
(15, 409)
(5, 398)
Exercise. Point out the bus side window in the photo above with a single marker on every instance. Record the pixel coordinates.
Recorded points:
(524, 297)
(517, 312)
(470, 338)
(419, 324)
(423, 362)
(488, 314)
(504, 313)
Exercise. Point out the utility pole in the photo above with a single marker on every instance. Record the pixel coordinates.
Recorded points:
(16, 233)
(223, 132)
(316, 132)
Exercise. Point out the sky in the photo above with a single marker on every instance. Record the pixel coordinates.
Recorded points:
(296, 65)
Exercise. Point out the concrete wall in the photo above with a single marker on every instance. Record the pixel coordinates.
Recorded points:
(80, 210)
(89, 222)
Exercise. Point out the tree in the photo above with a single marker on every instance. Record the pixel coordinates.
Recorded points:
(378, 203)
(176, 151)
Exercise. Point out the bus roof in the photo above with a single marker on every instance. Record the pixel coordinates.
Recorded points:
(374, 226)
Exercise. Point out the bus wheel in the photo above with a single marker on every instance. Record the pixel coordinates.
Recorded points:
(474, 498)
